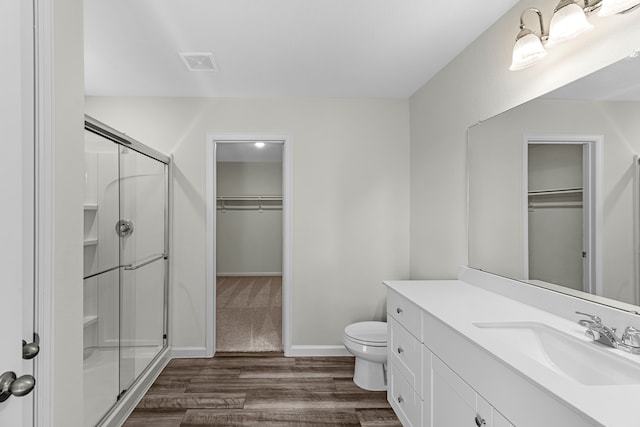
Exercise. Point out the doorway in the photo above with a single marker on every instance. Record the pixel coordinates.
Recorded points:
(248, 223)
(561, 211)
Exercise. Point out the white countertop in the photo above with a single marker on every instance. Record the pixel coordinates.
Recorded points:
(459, 305)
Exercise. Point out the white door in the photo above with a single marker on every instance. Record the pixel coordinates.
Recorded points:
(16, 207)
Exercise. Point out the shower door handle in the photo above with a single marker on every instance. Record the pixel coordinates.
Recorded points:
(124, 228)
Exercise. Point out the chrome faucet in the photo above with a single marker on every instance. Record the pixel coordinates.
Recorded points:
(597, 331)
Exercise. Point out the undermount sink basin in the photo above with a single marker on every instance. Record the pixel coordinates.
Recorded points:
(584, 362)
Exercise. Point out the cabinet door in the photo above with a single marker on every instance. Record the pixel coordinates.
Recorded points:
(404, 400)
(454, 402)
(484, 412)
(499, 420)
(405, 352)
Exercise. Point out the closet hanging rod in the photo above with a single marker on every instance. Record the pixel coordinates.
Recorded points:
(249, 208)
(545, 205)
(555, 191)
(249, 198)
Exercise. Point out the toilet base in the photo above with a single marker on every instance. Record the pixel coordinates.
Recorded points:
(370, 376)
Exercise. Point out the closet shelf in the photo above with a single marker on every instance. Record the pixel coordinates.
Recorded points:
(576, 190)
(249, 203)
(249, 198)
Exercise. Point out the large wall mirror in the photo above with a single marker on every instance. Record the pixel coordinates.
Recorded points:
(554, 189)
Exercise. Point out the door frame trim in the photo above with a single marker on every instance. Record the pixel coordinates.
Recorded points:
(44, 214)
(287, 168)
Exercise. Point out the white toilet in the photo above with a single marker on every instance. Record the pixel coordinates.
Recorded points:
(367, 341)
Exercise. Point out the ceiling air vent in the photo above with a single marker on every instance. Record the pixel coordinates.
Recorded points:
(199, 61)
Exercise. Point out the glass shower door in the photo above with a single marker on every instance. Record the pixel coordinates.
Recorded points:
(101, 289)
(143, 243)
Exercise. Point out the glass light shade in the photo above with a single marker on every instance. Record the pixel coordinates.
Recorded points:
(527, 51)
(567, 23)
(611, 7)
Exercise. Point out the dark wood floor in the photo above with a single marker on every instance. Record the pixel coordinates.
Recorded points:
(261, 389)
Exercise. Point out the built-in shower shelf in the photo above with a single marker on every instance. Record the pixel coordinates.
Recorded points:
(90, 320)
(90, 207)
(91, 242)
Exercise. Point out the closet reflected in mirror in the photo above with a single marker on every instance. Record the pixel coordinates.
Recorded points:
(554, 189)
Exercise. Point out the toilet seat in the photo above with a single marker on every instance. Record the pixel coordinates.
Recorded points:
(373, 334)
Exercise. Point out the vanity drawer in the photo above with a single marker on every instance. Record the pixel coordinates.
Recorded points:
(405, 312)
(404, 400)
(406, 354)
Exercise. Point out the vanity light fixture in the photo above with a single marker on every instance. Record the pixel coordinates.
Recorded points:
(528, 48)
(569, 20)
(611, 7)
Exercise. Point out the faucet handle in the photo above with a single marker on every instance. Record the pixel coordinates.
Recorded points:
(631, 337)
(593, 317)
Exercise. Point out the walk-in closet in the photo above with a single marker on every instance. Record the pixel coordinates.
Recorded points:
(249, 247)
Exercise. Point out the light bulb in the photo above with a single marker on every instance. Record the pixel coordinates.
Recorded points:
(567, 23)
(527, 51)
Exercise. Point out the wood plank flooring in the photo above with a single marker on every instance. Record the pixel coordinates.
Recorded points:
(261, 389)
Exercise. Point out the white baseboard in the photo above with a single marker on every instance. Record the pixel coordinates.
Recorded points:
(256, 273)
(127, 404)
(317, 350)
(295, 351)
(189, 352)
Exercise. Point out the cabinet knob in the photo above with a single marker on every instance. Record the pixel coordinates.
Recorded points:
(400, 399)
(480, 421)
(400, 350)
(398, 310)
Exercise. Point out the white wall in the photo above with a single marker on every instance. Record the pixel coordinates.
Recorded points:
(350, 199)
(473, 87)
(249, 242)
(249, 178)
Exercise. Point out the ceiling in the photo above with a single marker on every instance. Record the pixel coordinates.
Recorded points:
(277, 48)
(247, 152)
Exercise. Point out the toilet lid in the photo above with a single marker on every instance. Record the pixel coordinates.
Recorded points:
(373, 332)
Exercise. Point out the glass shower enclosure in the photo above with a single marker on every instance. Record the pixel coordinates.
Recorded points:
(125, 265)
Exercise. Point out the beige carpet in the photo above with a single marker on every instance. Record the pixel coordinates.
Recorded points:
(249, 313)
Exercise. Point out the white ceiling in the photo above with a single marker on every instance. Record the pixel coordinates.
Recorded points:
(247, 152)
(277, 48)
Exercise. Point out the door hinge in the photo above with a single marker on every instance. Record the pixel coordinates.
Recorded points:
(584, 254)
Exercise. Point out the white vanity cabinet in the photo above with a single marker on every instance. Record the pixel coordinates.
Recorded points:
(422, 389)
(445, 371)
(406, 376)
(455, 403)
